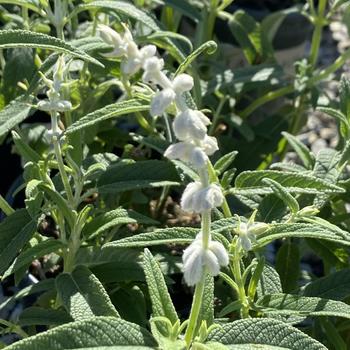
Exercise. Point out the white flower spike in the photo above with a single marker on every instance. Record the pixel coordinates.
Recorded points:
(196, 258)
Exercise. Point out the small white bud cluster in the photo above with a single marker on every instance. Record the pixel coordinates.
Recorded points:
(55, 103)
(133, 58)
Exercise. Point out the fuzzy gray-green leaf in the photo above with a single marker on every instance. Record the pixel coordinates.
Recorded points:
(162, 304)
(83, 295)
(25, 38)
(263, 332)
(97, 333)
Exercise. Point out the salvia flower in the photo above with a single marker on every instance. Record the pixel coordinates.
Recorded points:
(247, 232)
(133, 58)
(197, 258)
(197, 198)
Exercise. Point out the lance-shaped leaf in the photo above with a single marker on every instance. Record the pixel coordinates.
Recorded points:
(15, 231)
(29, 255)
(301, 230)
(284, 195)
(83, 295)
(97, 333)
(335, 286)
(265, 333)
(25, 38)
(301, 150)
(289, 304)
(14, 113)
(177, 235)
(39, 316)
(108, 112)
(162, 304)
(143, 174)
(297, 183)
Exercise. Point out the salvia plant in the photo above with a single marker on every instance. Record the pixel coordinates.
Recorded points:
(157, 209)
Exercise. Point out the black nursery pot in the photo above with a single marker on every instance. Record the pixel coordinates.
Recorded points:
(285, 37)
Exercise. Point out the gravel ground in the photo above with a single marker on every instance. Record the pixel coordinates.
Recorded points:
(321, 131)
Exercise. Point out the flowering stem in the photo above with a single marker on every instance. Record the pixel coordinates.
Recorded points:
(58, 154)
(237, 273)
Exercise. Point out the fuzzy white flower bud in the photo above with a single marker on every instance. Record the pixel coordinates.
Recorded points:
(196, 258)
(161, 101)
(188, 153)
(114, 39)
(247, 233)
(190, 124)
(209, 144)
(182, 83)
(199, 199)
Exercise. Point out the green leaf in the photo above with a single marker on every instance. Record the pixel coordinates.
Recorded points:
(287, 265)
(83, 295)
(301, 150)
(24, 149)
(98, 333)
(224, 162)
(36, 252)
(30, 4)
(176, 235)
(206, 312)
(309, 230)
(40, 287)
(108, 112)
(15, 231)
(335, 286)
(265, 332)
(60, 202)
(339, 116)
(39, 316)
(285, 196)
(270, 282)
(113, 218)
(112, 265)
(13, 114)
(209, 47)
(247, 32)
(297, 183)
(288, 304)
(143, 174)
(24, 38)
(120, 7)
(244, 79)
(185, 8)
(162, 304)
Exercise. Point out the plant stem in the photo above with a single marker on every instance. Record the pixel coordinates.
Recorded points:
(237, 273)
(58, 155)
(195, 310)
(317, 34)
(5, 207)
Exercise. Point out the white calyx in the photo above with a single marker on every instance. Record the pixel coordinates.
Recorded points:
(247, 233)
(190, 124)
(197, 198)
(124, 46)
(196, 258)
